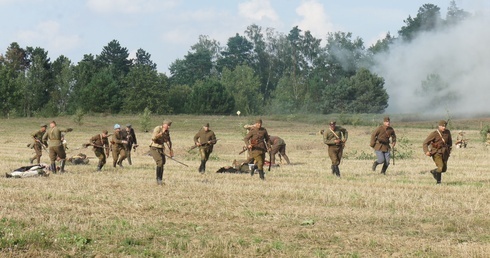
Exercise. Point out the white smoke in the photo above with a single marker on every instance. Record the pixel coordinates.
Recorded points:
(460, 55)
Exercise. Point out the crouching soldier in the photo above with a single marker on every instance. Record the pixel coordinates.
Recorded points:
(101, 148)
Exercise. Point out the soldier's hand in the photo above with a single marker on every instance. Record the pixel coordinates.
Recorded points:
(69, 129)
(428, 154)
(124, 142)
(172, 153)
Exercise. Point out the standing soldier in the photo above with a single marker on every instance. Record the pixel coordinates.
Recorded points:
(38, 144)
(441, 143)
(205, 139)
(130, 137)
(160, 136)
(380, 141)
(258, 142)
(278, 146)
(118, 149)
(335, 137)
(101, 147)
(56, 149)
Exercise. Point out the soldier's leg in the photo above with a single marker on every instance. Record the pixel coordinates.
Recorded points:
(260, 165)
(115, 155)
(438, 160)
(333, 154)
(386, 162)
(380, 159)
(62, 155)
(202, 153)
(128, 155)
(122, 156)
(207, 152)
(159, 158)
(52, 158)
(282, 151)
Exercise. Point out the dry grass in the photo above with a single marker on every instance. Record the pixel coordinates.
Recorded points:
(300, 210)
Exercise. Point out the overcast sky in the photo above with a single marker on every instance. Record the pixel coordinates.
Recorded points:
(167, 28)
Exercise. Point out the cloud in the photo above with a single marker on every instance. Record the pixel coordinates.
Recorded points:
(130, 6)
(48, 35)
(314, 18)
(258, 10)
(459, 55)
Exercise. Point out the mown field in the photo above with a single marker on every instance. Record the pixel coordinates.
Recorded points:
(300, 210)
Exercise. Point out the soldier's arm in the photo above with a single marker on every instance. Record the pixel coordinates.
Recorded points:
(393, 138)
(212, 140)
(374, 136)
(346, 134)
(133, 134)
(247, 139)
(196, 138)
(426, 143)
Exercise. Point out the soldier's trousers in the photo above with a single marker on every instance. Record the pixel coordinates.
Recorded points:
(99, 153)
(118, 155)
(441, 161)
(205, 152)
(383, 157)
(259, 157)
(158, 155)
(55, 152)
(335, 154)
(39, 152)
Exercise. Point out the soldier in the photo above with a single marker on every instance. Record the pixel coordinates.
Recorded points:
(380, 141)
(278, 146)
(205, 139)
(130, 137)
(101, 147)
(441, 143)
(335, 137)
(56, 149)
(461, 140)
(38, 144)
(258, 142)
(160, 136)
(118, 149)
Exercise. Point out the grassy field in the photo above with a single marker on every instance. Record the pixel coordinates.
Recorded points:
(300, 210)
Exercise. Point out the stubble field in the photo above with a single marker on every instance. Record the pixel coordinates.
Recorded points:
(300, 210)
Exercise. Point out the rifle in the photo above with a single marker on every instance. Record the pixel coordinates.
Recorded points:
(211, 143)
(393, 149)
(174, 159)
(270, 156)
(42, 144)
(243, 150)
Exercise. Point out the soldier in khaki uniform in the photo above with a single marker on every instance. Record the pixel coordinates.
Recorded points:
(205, 139)
(258, 142)
(56, 149)
(38, 144)
(335, 137)
(278, 146)
(130, 136)
(118, 148)
(160, 137)
(440, 142)
(101, 147)
(380, 141)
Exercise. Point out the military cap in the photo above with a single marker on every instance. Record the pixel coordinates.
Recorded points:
(128, 125)
(52, 122)
(167, 122)
(44, 125)
(258, 120)
(105, 132)
(386, 119)
(332, 122)
(117, 126)
(206, 125)
(442, 123)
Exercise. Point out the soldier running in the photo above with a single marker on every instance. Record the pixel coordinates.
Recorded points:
(258, 142)
(441, 144)
(205, 139)
(380, 142)
(335, 137)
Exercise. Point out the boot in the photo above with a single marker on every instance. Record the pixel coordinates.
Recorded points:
(31, 160)
(99, 168)
(375, 164)
(334, 171)
(434, 173)
(384, 168)
(52, 167)
(203, 166)
(159, 173)
(129, 159)
(119, 163)
(439, 178)
(62, 166)
(337, 171)
(261, 174)
(252, 171)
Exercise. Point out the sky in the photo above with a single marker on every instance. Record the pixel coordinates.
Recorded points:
(168, 28)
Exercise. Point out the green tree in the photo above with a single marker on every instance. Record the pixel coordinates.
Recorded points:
(455, 15)
(38, 84)
(178, 98)
(428, 18)
(101, 94)
(210, 97)
(12, 68)
(238, 51)
(84, 71)
(64, 80)
(195, 66)
(245, 88)
(437, 92)
(144, 58)
(116, 58)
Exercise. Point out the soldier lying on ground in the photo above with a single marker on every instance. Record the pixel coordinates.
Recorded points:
(29, 171)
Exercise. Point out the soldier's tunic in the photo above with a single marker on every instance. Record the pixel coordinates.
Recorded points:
(56, 148)
(278, 146)
(37, 145)
(130, 137)
(335, 149)
(157, 146)
(118, 149)
(207, 139)
(440, 148)
(380, 141)
(258, 137)
(101, 147)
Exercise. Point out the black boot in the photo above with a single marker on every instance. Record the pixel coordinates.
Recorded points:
(337, 171)
(202, 166)
(261, 174)
(439, 178)
(62, 166)
(159, 173)
(252, 171)
(434, 173)
(334, 170)
(129, 160)
(52, 167)
(384, 168)
(375, 164)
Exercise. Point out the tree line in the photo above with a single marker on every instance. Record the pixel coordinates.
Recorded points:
(261, 71)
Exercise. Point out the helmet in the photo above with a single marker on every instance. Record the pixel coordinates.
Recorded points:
(117, 126)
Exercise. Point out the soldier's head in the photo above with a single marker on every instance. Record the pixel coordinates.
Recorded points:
(206, 127)
(258, 123)
(166, 123)
(105, 133)
(386, 121)
(43, 127)
(332, 123)
(442, 125)
(52, 124)
(117, 127)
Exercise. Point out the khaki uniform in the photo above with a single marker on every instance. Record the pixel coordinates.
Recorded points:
(380, 142)
(258, 137)
(56, 148)
(118, 149)
(278, 146)
(157, 149)
(335, 150)
(38, 145)
(101, 149)
(206, 139)
(440, 148)
(130, 137)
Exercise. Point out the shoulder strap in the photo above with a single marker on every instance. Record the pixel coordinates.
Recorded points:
(441, 137)
(334, 133)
